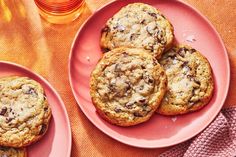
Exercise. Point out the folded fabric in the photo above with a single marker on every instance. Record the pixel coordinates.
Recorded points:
(217, 140)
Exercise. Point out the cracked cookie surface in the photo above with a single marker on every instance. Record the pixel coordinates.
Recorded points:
(127, 86)
(138, 25)
(190, 81)
(24, 111)
(12, 152)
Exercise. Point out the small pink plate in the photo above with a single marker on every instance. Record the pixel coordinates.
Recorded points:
(57, 141)
(190, 28)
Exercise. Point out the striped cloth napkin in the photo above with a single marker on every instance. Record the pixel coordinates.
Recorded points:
(217, 140)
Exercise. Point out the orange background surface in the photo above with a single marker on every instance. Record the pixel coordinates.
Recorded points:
(44, 48)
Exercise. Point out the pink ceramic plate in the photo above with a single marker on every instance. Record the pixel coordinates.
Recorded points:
(191, 28)
(57, 141)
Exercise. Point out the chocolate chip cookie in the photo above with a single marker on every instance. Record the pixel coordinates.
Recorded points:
(138, 25)
(24, 111)
(190, 81)
(12, 152)
(127, 86)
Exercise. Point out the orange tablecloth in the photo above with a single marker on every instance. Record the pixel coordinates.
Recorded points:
(28, 40)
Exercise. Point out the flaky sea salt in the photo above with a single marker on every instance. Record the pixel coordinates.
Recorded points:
(191, 38)
(88, 58)
(174, 119)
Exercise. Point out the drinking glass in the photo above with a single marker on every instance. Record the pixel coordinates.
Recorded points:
(60, 11)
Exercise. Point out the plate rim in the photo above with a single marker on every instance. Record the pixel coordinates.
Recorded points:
(54, 91)
(224, 96)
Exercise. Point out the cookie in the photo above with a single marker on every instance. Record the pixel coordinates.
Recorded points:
(138, 25)
(24, 111)
(12, 152)
(190, 81)
(127, 86)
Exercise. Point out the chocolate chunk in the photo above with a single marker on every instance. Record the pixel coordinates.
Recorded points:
(150, 80)
(3, 111)
(143, 21)
(197, 82)
(104, 50)
(125, 54)
(128, 86)
(45, 109)
(185, 64)
(117, 110)
(43, 129)
(133, 36)
(142, 66)
(31, 91)
(153, 14)
(192, 50)
(142, 100)
(136, 114)
(163, 16)
(182, 51)
(8, 120)
(129, 105)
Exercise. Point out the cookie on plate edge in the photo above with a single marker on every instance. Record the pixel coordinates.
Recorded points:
(190, 81)
(24, 111)
(138, 25)
(12, 152)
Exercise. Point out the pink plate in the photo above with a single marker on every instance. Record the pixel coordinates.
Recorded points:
(57, 141)
(191, 28)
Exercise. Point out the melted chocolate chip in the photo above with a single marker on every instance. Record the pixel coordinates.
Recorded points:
(106, 29)
(104, 50)
(163, 16)
(153, 14)
(45, 109)
(142, 100)
(128, 86)
(197, 82)
(136, 114)
(133, 36)
(150, 80)
(185, 64)
(142, 66)
(129, 105)
(117, 110)
(192, 50)
(181, 51)
(3, 111)
(125, 54)
(8, 120)
(43, 129)
(143, 21)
